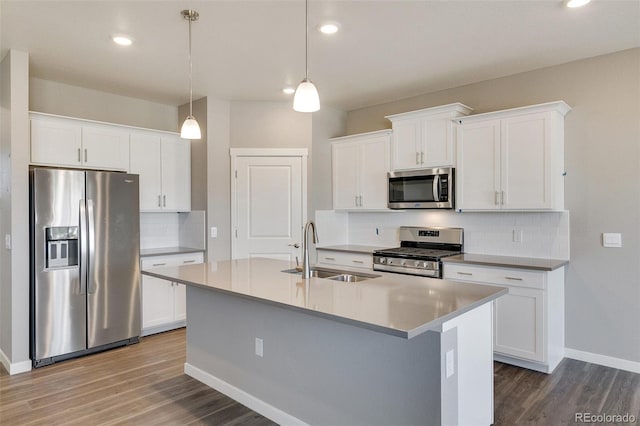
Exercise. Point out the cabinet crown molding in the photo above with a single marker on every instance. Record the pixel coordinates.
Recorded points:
(359, 135)
(456, 107)
(560, 107)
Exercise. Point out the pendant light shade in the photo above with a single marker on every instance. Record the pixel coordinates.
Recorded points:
(306, 98)
(190, 128)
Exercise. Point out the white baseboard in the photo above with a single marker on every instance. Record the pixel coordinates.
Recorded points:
(16, 367)
(246, 399)
(607, 361)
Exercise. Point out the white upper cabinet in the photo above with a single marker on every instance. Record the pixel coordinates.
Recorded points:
(163, 161)
(360, 164)
(512, 160)
(425, 138)
(62, 141)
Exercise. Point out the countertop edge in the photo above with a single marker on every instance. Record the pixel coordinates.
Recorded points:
(167, 251)
(351, 248)
(429, 326)
(508, 262)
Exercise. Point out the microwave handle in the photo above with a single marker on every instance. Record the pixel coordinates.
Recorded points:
(436, 188)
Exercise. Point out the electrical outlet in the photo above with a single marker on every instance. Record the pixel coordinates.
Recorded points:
(7, 241)
(516, 235)
(450, 364)
(259, 347)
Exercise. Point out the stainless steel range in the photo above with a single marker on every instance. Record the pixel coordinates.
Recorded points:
(420, 251)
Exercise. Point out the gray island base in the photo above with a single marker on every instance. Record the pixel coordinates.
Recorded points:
(391, 350)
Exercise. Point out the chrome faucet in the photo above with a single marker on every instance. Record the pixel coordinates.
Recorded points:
(306, 267)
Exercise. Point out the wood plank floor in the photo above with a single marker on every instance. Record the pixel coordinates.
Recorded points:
(144, 384)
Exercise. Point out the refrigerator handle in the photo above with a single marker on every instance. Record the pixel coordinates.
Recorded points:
(83, 247)
(91, 246)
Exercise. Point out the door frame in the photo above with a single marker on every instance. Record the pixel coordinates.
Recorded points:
(235, 153)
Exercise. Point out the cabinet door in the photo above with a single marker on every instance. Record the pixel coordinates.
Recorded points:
(478, 171)
(176, 174)
(437, 146)
(407, 144)
(519, 324)
(105, 147)
(374, 165)
(157, 302)
(56, 142)
(526, 162)
(344, 161)
(145, 161)
(179, 302)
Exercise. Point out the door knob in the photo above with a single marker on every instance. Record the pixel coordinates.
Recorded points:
(296, 245)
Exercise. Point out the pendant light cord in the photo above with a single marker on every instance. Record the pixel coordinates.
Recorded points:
(306, 41)
(190, 72)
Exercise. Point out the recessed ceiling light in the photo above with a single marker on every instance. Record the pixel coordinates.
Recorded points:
(577, 3)
(289, 90)
(329, 28)
(122, 40)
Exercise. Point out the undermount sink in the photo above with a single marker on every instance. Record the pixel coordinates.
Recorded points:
(334, 274)
(349, 278)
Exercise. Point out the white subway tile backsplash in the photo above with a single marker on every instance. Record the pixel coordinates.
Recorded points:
(159, 230)
(544, 235)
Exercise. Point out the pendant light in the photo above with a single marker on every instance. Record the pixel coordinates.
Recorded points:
(190, 128)
(306, 98)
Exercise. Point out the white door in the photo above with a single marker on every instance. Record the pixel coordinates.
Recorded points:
(269, 206)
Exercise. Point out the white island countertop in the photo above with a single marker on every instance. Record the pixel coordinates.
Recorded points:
(400, 305)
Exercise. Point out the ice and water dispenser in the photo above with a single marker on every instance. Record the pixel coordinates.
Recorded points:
(62, 246)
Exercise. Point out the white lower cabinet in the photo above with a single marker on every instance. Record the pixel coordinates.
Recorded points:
(343, 258)
(528, 322)
(164, 302)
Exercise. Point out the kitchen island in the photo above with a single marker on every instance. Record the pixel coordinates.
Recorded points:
(393, 349)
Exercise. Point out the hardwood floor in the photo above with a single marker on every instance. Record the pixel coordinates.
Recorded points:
(144, 384)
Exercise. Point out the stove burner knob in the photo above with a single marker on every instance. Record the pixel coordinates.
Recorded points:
(418, 264)
(404, 262)
(382, 260)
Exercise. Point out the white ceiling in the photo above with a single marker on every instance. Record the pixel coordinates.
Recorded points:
(250, 50)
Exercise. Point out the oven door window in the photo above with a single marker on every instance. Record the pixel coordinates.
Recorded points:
(413, 189)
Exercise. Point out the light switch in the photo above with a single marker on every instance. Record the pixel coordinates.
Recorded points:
(612, 239)
(214, 232)
(7, 241)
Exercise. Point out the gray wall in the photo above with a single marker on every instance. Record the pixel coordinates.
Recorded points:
(63, 99)
(327, 123)
(218, 179)
(602, 189)
(14, 208)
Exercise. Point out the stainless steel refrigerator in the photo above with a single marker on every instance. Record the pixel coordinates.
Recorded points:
(85, 262)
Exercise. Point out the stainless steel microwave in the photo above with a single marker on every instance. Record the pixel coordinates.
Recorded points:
(421, 189)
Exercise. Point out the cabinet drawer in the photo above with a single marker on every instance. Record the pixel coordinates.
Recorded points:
(493, 275)
(171, 260)
(354, 260)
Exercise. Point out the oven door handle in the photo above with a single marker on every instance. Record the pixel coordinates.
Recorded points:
(436, 188)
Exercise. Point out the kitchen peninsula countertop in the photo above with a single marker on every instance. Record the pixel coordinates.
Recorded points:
(394, 304)
(533, 263)
(168, 250)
